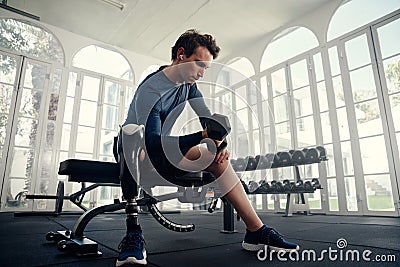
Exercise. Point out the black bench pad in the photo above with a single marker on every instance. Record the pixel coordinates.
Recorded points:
(90, 171)
(79, 170)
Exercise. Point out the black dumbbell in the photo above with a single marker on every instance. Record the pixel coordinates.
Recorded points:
(277, 186)
(240, 164)
(275, 161)
(245, 187)
(251, 163)
(298, 186)
(233, 163)
(264, 187)
(218, 126)
(253, 186)
(312, 155)
(298, 157)
(308, 187)
(315, 183)
(268, 160)
(322, 152)
(285, 158)
(262, 162)
(286, 185)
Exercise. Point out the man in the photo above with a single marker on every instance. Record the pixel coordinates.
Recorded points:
(164, 93)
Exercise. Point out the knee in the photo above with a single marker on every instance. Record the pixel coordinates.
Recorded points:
(218, 168)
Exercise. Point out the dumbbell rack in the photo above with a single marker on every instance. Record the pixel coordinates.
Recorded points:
(296, 202)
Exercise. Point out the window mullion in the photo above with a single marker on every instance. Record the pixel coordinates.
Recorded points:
(99, 118)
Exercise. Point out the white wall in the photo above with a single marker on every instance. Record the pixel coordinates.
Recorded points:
(317, 21)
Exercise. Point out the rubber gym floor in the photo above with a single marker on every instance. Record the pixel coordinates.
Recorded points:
(375, 241)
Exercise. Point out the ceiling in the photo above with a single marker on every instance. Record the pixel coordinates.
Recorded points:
(151, 27)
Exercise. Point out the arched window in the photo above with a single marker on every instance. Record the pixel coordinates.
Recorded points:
(282, 46)
(26, 38)
(99, 92)
(353, 14)
(236, 70)
(104, 61)
(243, 66)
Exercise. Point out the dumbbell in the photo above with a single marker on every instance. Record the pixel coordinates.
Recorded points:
(264, 187)
(308, 186)
(322, 152)
(240, 164)
(312, 155)
(285, 158)
(315, 183)
(298, 186)
(218, 126)
(277, 186)
(275, 161)
(233, 163)
(287, 185)
(251, 163)
(298, 157)
(245, 187)
(262, 162)
(252, 186)
(266, 161)
(312, 185)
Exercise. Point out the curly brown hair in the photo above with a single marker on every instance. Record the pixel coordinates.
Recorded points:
(191, 39)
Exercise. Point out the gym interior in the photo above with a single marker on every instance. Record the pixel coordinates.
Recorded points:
(312, 92)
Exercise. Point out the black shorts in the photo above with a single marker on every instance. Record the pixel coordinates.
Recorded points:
(167, 170)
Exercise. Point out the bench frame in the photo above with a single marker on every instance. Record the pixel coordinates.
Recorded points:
(75, 241)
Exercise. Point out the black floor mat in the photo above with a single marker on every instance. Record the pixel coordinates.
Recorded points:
(23, 241)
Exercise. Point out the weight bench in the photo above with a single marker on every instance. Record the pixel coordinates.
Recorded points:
(81, 171)
(192, 190)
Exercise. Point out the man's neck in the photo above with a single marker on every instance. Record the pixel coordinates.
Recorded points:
(171, 72)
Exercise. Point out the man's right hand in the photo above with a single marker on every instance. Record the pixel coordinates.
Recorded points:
(205, 135)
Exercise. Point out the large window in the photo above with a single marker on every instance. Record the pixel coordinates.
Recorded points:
(31, 40)
(281, 47)
(345, 96)
(99, 90)
(344, 19)
(31, 72)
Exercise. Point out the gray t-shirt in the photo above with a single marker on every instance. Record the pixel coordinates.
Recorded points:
(157, 103)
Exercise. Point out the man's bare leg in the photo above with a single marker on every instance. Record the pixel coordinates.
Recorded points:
(236, 194)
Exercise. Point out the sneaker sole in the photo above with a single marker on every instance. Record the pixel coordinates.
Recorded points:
(257, 247)
(131, 261)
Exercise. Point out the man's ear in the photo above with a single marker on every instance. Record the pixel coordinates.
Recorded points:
(180, 53)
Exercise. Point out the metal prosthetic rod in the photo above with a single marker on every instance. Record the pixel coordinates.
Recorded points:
(131, 210)
(132, 142)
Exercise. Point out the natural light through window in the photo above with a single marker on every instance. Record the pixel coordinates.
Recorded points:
(348, 17)
(101, 60)
(281, 48)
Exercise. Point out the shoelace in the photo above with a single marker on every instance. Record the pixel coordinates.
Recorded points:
(130, 241)
(269, 230)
